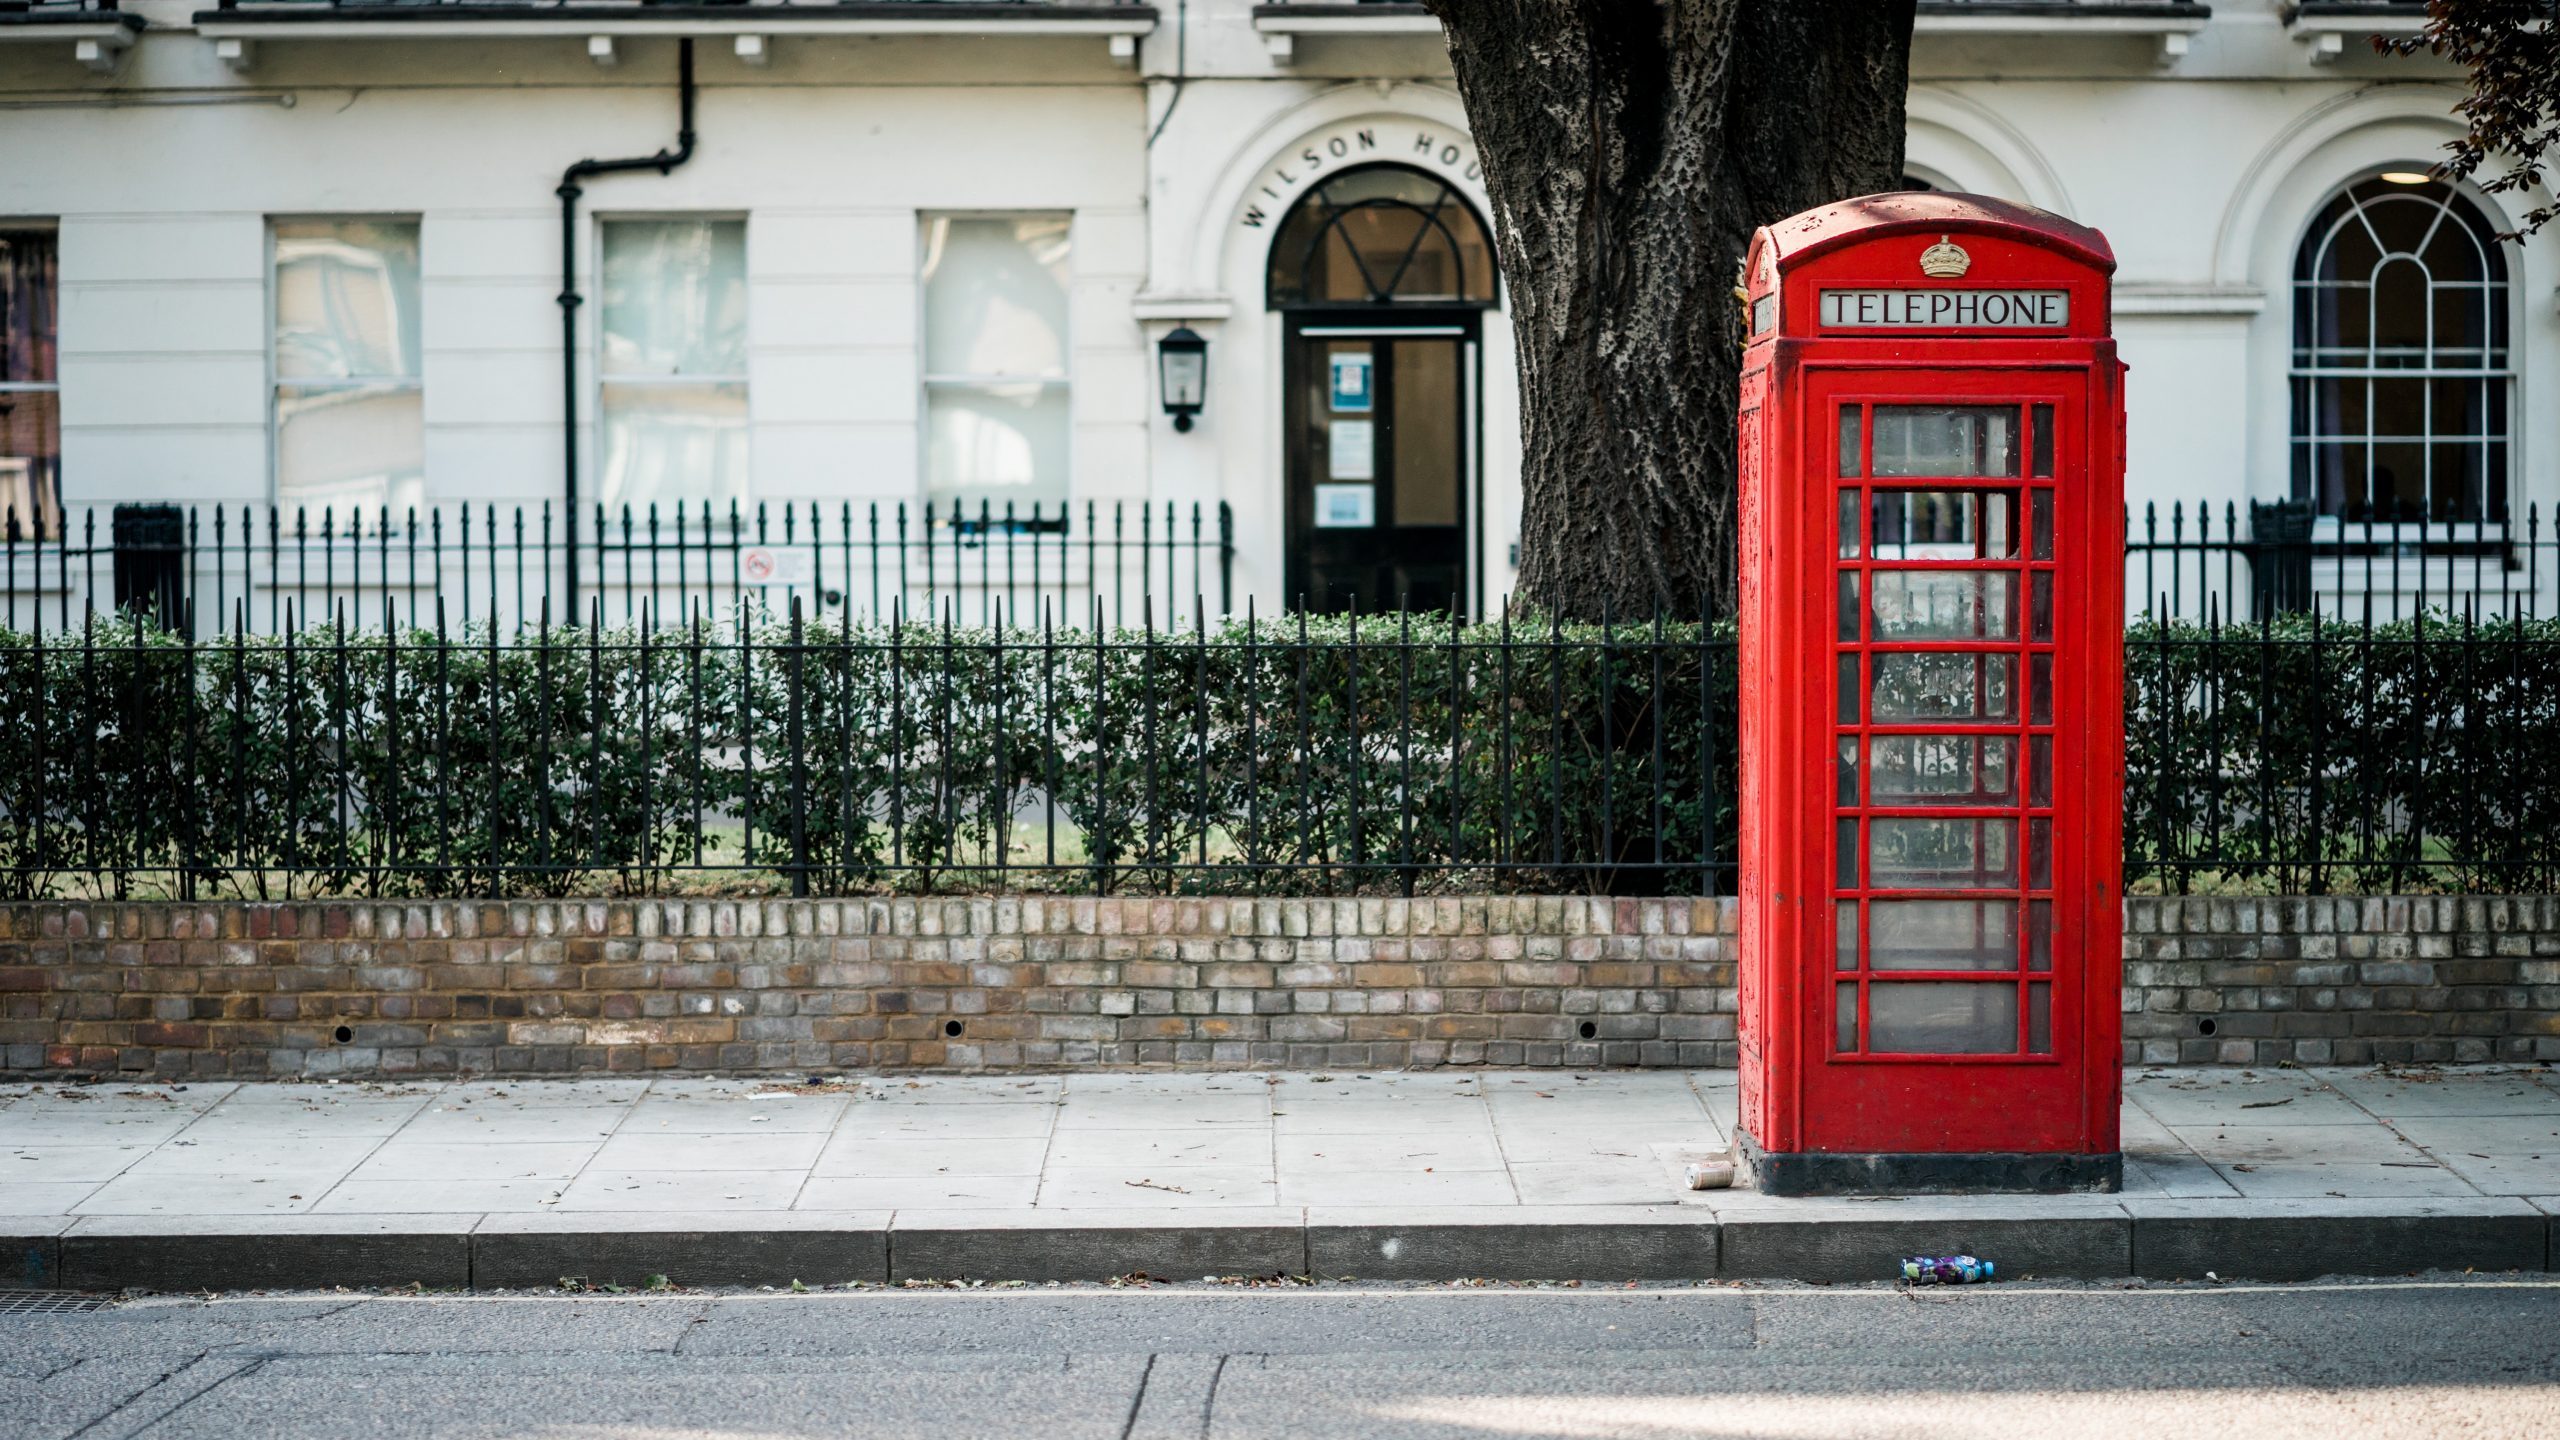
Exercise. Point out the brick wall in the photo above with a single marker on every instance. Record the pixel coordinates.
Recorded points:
(625, 986)
(631, 986)
(2343, 980)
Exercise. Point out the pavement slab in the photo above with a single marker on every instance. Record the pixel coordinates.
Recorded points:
(2240, 1172)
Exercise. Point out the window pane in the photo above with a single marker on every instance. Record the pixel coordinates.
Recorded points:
(1844, 1019)
(29, 293)
(350, 445)
(1950, 440)
(1375, 232)
(1943, 770)
(1945, 605)
(1430, 398)
(995, 296)
(999, 443)
(1848, 773)
(30, 420)
(30, 464)
(2039, 1019)
(1849, 441)
(1962, 685)
(662, 443)
(1943, 935)
(346, 300)
(1946, 524)
(1849, 528)
(675, 297)
(1912, 854)
(1849, 605)
(1943, 1017)
(2461, 324)
(1844, 934)
(2400, 312)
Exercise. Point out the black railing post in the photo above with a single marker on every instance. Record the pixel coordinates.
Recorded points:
(799, 764)
(1226, 558)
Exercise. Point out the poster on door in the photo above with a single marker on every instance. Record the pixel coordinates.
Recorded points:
(1351, 450)
(1346, 507)
(1351, 371)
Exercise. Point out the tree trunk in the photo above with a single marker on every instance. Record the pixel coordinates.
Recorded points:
(1630, 148)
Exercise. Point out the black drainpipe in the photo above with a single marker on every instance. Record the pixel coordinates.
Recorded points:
(663, 162)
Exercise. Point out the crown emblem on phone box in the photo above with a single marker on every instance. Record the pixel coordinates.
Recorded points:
(1945, 260)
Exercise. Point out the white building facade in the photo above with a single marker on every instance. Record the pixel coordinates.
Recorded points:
(308, 255)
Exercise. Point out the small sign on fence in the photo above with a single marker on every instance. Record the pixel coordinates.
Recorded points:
(766, 565)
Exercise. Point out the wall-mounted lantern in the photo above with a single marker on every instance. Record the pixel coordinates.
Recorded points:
(1182, 372)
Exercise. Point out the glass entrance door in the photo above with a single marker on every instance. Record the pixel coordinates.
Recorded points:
(1379, 425)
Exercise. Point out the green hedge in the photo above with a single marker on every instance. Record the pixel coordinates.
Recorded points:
(2301, 757)
(1292, 757)
(1262, 759)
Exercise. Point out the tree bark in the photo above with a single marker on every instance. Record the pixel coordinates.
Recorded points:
(1630, 148)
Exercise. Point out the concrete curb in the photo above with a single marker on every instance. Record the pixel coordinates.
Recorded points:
(1836, 1241)
(2296, 1240)
(1098, 1244)
(518, 1252)
(1748, 1238)
(249, 1252)
(34, 1250)
(1532, 1243)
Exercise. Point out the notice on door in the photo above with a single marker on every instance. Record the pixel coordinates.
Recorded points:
(1350, 388)
(1351, 450)
(1346, 507)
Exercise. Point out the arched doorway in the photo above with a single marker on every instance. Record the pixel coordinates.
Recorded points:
(1382, 275)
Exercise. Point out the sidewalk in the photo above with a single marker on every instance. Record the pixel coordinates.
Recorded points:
(1428, 1175)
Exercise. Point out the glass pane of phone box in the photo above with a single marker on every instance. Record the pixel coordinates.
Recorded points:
(1942, 935)
(1943, 1017)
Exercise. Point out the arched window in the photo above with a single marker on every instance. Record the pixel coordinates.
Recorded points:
(1381, 235)
(2400, 368)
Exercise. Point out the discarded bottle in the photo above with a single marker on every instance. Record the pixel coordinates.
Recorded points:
(1945, 1269)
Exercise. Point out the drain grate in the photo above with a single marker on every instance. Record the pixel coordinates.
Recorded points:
(50, 1302)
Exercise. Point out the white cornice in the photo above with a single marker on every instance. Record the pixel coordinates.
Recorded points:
(760, 20)
(2159, 297)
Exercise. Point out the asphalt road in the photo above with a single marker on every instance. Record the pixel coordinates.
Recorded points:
(2421, 1360)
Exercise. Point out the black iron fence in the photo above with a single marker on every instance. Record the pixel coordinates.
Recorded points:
(2195, 562)
(251, 566)
(1396, 754)
(236, 565)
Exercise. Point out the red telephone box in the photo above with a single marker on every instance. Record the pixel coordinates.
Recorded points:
(1932, 709)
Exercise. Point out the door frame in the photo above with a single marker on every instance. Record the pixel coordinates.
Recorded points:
(1465, 323)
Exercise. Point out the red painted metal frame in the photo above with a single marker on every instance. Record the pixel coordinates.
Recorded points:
(1801, 1090)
